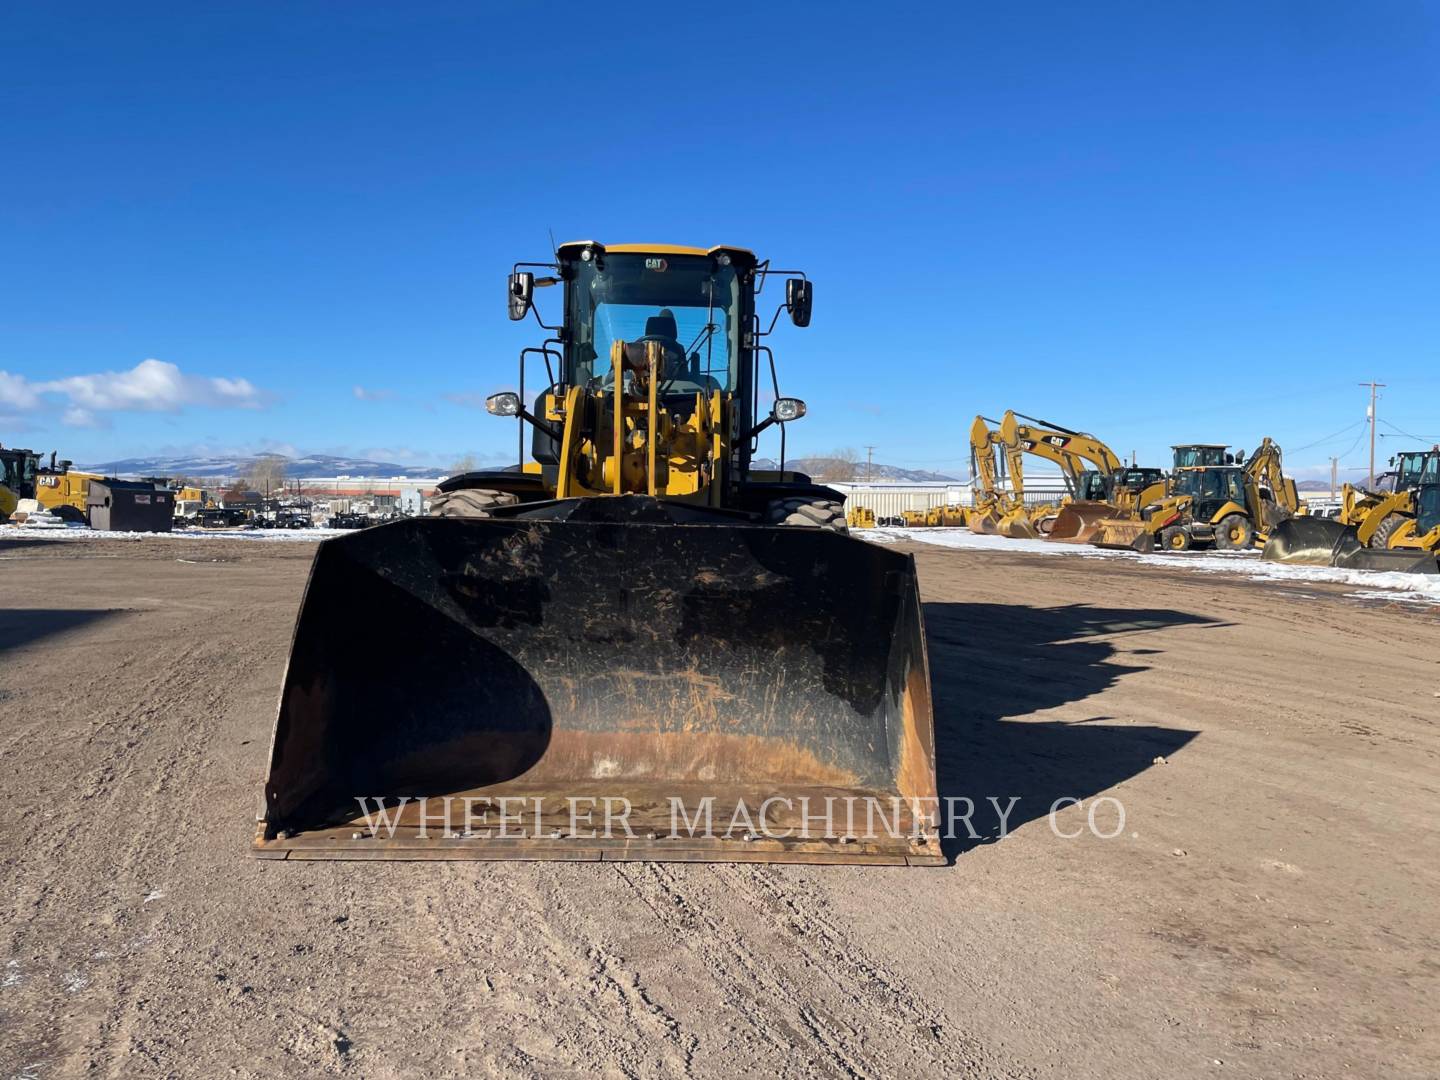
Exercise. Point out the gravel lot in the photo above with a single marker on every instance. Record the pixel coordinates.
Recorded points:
(1267, 910)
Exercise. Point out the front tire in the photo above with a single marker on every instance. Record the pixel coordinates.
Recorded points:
(808, 514)
(1381, 537)
(1174, 538)
(1235, 533)
(470, 503)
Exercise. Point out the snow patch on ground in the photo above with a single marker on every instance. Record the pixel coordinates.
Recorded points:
(1375, 584)
(80, 532)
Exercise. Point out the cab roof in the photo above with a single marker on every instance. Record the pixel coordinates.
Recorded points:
(743, 256)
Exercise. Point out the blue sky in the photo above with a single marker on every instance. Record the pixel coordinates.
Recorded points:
(1159, 222)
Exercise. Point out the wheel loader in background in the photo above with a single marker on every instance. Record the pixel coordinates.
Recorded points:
(635, 617)
(1395, 530)
(1214, 498)
(58, 488)
(1100, 485)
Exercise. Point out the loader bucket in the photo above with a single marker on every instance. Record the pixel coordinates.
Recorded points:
(1124, 534)
(1078, 522)
(1309, 541)
(611, 685)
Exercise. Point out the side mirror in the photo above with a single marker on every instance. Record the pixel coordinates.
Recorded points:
(798, 296)
(522, 288)
(503, 404)
(1239, 457)
(787, 409)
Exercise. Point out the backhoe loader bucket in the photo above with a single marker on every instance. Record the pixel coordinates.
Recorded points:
(1123, 534)
(1312, 541)
(611, 684)
(1079, 522)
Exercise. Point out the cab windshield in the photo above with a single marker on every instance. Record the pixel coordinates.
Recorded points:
(1211, 484)
(1189, 457)
(1091, 486)
(17, 470)
(688, 304)
(1417, 467)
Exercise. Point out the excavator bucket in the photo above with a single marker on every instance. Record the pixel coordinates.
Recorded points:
(984, 522)
(1079, 522)
(1312, 541)
(1017, 525)
(612, 685)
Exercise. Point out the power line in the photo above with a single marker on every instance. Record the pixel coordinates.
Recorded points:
(1328, 438)
(1402, 431)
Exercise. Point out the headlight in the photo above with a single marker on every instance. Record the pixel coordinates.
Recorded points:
(787, 408)
(505, 404)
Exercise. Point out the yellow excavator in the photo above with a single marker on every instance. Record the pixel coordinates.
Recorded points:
(997, 485)
(1099, 484)
(1398, 529)
(636, 644)
(990, 502)
(1214, 498)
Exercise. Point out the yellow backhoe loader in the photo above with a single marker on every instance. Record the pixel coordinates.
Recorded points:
(1213, 498)
(633, 645)
(1100, 486)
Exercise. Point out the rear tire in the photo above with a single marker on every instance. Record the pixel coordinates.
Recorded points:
(808, 514)
(1381, 537)
(1235, 532)
(470, 503)
(1174, 538)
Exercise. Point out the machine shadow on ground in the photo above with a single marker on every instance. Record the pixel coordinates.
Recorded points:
(991, 664)
(25, 626)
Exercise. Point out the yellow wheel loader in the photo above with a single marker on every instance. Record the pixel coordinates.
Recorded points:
(1214, 498)
(633, 645)
(56, 487)
(1377, 515)
(1395, 530)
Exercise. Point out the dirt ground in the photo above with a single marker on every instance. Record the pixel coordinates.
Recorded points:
(1268, 909)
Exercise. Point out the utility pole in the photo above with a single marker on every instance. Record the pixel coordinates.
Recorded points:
(869, 456)
(1334, 473)
(1374, 397)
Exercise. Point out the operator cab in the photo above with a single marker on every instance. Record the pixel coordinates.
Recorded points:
(1427, 507)
(692, 305)
(1202, 455)
(1416, 467)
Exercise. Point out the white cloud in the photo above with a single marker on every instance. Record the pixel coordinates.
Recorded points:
(77, 417)
(16, 392)
(150, 386)
(154, 386)
(364, 394)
